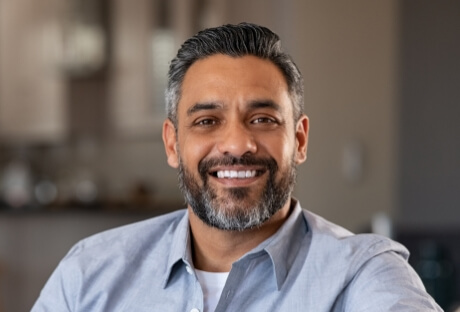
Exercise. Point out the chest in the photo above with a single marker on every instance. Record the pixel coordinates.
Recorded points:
(252, 285)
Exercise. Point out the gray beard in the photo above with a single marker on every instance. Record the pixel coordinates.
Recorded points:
(234, 210)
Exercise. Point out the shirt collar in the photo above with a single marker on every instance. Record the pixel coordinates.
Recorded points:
(281, 247)
(180, 249)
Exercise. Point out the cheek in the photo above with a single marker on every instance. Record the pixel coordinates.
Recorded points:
(193, 150)
(279, 146)
(283, 152)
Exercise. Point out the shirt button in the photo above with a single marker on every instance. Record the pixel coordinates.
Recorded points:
(190, 271)
(194, 310)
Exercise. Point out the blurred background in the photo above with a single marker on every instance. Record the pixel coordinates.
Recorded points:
(81, 107)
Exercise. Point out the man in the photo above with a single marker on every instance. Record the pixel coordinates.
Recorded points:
(236, 132)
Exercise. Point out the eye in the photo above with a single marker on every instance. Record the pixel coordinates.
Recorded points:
(206, 122)
(262, 120)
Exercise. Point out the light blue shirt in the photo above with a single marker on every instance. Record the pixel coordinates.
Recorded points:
(310, 264)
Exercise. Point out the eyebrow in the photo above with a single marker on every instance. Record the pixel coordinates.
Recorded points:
(202, 106)
(255, 104)
(264, 104)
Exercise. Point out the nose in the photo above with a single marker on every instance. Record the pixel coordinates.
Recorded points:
(237, 140)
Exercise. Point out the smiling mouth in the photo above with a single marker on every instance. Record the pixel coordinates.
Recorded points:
(236, 174)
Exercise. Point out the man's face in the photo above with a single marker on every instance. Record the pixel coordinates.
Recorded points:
(237, 145)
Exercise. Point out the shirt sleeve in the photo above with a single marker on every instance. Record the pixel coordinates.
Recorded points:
(386, 282)
(62, 287)
(53, 295)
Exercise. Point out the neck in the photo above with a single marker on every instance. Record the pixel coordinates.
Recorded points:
(215, 250)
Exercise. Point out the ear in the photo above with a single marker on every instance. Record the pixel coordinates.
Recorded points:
(301, 134)
(170, 142)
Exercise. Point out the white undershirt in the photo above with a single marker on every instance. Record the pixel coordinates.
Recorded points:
(212, 284)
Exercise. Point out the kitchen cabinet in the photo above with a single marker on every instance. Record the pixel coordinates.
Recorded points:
(32, 88)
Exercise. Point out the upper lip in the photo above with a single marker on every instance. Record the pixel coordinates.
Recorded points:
(236, 168)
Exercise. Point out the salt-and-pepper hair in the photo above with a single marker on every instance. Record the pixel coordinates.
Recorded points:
(235, 41)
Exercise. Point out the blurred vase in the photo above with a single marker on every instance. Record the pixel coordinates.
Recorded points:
(16, 184)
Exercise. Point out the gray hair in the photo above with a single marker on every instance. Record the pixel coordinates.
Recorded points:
(236, 41)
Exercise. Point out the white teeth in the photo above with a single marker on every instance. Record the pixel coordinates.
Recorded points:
(232, 174)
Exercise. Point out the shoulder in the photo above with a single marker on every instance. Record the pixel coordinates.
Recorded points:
(140, 237)
(109, 262)
(362, 266)
(335, 244)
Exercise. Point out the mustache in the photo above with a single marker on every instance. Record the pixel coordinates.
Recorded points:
(268, 163)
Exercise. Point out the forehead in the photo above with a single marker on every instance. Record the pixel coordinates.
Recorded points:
(234, 79)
